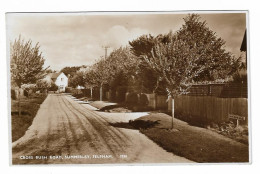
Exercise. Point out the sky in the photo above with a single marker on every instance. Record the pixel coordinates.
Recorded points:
(75, 39)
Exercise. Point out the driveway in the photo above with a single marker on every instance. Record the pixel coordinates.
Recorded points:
(68, 131)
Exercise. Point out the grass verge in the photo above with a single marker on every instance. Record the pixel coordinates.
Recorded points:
(29, 108)
(194, 143)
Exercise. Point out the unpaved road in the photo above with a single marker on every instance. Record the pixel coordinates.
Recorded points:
(65, 131)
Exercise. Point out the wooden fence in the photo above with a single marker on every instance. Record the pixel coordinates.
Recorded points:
(209, 108)
(154, 101)
(230, 90)
(161, 102)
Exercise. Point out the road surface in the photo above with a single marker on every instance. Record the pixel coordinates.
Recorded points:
(64, 131)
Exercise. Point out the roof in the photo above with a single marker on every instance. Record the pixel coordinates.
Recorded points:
(54, 75)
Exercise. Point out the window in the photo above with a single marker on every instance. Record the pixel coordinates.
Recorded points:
(61, 79)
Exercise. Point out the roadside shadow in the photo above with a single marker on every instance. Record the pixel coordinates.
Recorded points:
(109, 107)
(136, 124)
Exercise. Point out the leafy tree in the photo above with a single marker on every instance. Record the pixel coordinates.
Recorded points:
(70, 70)
(146, 78)
(89, 80)
(26, 63)
(101, 74)
(143, 45)
(122, 66)
(77, 79)
(50, 71)
(194, 53)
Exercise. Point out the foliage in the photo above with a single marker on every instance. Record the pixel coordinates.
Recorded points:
(113, 71)
(146, 78)
(26, 62)
(143, 45)
(122, 66)
(89, 78)
(121, 91)
(48, 71)
(229, 129)
(70, 70)
(53, 87)
(28, 88)
(13, 96)
(132, 98)
(194, 53)
(143, 100)
(101, 73)
(240, 71)
(77, 79)
(43, 84)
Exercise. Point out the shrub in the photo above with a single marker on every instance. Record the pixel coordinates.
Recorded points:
(26, 93)
(68, 90)
(121, 91)
(132, 99)
(78, 95)
(53, 87)
(42, 85)
(13, 96)
(143, 100)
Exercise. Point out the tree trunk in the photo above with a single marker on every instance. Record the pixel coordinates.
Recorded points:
(172, 111)
(91, 94)
(100, 95)
(19, 103)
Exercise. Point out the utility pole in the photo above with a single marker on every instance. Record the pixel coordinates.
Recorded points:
(105, 47)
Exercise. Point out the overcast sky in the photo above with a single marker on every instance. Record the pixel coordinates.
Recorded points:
(73, 39)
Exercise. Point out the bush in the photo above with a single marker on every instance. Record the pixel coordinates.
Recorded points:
(13, 96)
(132, 99)
(68, 90)
(53, 87)
(79, 95)
(26, 93)
(143, 100)
(121, 91)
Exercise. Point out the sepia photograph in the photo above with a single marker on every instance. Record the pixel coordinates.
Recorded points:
(128, 87)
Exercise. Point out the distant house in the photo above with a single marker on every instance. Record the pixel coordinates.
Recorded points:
(60, 79)
(80, 87)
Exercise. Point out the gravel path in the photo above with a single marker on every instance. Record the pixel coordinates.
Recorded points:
(65, 131)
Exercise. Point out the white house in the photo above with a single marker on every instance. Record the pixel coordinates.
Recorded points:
(60, 79)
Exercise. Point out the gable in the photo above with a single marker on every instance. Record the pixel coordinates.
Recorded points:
(62, 75)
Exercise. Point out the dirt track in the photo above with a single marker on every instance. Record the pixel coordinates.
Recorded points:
(72, 133)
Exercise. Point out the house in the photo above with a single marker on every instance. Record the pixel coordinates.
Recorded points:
(60, 79)
(80, 87)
